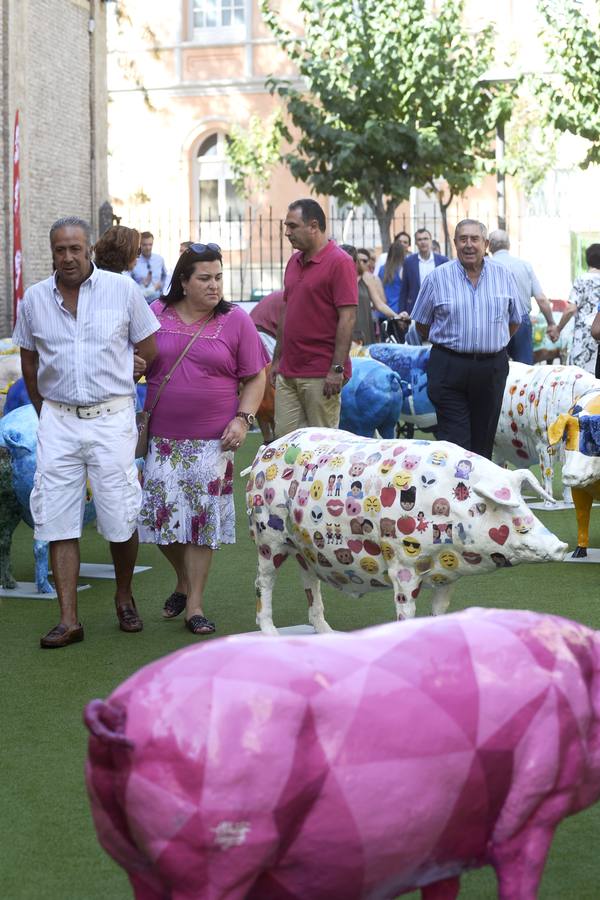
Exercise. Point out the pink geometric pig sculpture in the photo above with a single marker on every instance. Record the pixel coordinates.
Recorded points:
(364, 514)
(360, 765)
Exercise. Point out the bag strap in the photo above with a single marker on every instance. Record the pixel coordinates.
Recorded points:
(167, 377)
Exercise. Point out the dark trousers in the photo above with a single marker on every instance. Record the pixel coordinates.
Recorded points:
(467, 396)
(520, 346)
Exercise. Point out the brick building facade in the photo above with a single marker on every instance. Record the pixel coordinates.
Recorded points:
(54, 73)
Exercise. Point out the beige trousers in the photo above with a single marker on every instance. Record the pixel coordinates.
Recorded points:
(300, 403)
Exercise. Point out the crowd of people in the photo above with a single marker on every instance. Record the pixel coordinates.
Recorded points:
(109, 315)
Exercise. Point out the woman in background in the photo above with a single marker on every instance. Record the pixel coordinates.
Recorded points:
(583, 304)
(118, 249)
(391, 275)
(197, 425)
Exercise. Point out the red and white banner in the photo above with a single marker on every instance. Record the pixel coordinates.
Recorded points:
(17, 254)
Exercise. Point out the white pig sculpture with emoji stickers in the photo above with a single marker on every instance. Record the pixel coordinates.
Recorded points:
(364, 514)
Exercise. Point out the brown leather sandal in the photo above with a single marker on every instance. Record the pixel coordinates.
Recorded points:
(128, 617)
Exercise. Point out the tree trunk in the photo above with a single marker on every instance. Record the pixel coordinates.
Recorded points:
(444, 214)
(384, 215)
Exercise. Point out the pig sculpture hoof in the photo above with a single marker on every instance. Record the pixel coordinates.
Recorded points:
(579, 553)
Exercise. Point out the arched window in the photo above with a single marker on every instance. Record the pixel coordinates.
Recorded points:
(216, 198)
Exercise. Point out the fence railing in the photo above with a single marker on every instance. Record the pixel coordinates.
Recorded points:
(255, 249)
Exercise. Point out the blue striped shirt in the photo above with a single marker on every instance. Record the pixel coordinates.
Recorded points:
(469, 319)
(86, 359)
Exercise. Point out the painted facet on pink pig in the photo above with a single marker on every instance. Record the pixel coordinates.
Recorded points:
(361, 765)
(446, 513)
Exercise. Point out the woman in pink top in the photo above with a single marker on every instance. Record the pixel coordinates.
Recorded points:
(200, 420)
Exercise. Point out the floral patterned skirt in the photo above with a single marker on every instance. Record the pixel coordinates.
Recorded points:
(187, 494)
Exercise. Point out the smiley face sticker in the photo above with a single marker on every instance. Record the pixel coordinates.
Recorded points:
(411, 546)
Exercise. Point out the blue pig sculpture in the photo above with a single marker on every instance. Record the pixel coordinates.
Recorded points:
(17, 396)
(371, 399)
(410, 364)
(18, 438)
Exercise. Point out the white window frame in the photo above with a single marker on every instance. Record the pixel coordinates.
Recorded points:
(220, 34)
(228, 233)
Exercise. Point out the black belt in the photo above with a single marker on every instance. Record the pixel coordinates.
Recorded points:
(475, 356)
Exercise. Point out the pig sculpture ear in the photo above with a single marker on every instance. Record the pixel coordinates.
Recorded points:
(557, 429)
(501, 493)
(524, 476)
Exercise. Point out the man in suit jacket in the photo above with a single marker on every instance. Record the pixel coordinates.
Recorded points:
(416, 267)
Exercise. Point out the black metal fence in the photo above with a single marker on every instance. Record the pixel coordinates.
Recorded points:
(256, 251)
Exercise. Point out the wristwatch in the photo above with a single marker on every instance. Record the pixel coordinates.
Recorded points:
(248, 418)
(339, 370)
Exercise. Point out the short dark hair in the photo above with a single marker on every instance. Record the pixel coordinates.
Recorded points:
(116, 249)
(592, 256)
(309, 210)
(422, 231)
(145, 235)
(350, 250)
(400, 234)
(364, 252)
(183, 271)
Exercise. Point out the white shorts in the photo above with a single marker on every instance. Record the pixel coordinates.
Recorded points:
(71, 450)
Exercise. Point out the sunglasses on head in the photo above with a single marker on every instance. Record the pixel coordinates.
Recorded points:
(202, 248)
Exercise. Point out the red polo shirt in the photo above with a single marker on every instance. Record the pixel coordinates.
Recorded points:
(267, 312)
(313, 291)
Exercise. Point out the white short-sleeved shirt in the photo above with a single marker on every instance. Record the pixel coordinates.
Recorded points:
(86, 359)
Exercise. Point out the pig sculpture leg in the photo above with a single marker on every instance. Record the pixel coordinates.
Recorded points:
(40, 553)
(519, 862)
(265, 580)
(583, 507)
(441, 599)
(10, 516)
(406, 585)
(316, 611)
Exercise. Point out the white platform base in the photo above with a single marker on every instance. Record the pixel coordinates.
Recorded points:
(104, 570)
(593, 556)
(297, 629)
(560, 504)
(539, 504)
(28, 590)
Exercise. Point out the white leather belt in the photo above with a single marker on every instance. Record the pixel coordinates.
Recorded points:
(108, 407)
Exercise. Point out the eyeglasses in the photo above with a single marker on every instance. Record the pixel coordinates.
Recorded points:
(202, 248)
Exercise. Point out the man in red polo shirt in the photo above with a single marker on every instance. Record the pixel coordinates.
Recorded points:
(310, 362)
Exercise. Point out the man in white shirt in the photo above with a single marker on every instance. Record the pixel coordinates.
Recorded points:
(520, 346)
(77, 331)
(149, 271)
(416, 268)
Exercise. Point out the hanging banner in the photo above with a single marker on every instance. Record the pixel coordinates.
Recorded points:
(17, 254)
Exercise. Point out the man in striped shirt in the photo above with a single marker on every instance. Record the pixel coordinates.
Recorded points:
(468, 308)
(77, 331)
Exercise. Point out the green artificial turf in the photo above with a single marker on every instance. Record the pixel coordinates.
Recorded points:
(49, 847)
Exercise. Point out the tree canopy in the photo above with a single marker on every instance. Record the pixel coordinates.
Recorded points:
(393, 98)
(570, 90)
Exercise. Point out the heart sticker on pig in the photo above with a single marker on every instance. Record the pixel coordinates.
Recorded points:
(499, 535)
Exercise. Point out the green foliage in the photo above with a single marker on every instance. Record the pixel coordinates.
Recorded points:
(392, 101)
(253, 152)
(531, 140)
(571, 92)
